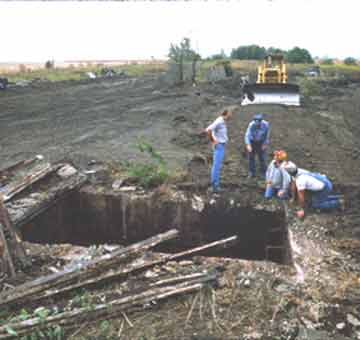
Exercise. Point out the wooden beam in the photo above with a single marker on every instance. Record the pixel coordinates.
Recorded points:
(119, 273)
(17, 251)
(92, 268)
(76, 316)
(6, 256)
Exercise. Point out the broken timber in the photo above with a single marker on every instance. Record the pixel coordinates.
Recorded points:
(64, 282)
(29, 180)
(53, 196)
(12, 247)
(132, 269)
(128, 301)
(21, 175)
(91, 268)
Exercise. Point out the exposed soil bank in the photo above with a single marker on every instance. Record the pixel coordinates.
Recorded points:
(88, 217)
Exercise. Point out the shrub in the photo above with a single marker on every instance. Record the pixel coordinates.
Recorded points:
(299, 55)
(309, 87)
(183, 52)
(249, 52)
(350, 61)
(328, 61)
(49, 64)
(150, 174)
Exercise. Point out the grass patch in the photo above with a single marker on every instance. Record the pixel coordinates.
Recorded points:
(152, 173)
(350, 71)
(137, 70)
(79, 73)
(309, 87)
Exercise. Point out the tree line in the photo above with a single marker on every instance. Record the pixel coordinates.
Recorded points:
(297, 55)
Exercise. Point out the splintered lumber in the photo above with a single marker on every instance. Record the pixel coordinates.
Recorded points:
(21, 164)
(12, 248)
(110, 309)
(8, 264)
(89, 269)
(52, 197)
(29, 180)
(123, 272)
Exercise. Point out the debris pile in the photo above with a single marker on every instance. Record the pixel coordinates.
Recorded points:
(14, 181)
(118, 264)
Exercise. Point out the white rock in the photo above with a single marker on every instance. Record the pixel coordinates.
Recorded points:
(197, 203)
(66, 171)
(352, 320)
(127, 189)
(340, 325)
(149, 274)
(117, 184)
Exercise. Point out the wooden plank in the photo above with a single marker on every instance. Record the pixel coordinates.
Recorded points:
(29, 180)
(123, 272)
(6, 256)
(17, 251)
(76, 316)
(90, 268)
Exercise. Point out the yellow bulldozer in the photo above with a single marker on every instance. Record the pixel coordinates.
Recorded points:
(272, 85)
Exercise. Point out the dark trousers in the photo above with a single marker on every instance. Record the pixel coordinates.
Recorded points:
(257, 150)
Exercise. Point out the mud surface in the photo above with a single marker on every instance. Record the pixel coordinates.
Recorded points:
(316, 298)
(105, 119)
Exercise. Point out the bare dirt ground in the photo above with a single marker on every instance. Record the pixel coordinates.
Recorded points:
(104, 119)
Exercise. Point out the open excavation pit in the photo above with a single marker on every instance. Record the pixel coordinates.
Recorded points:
(87, 216)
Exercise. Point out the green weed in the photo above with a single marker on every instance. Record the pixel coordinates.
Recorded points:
(152, 173)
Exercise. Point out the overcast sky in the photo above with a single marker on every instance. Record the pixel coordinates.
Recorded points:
(37, 31)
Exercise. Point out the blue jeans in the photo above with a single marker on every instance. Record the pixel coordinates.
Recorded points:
(257, 150)
(218, 156)
(322, 199)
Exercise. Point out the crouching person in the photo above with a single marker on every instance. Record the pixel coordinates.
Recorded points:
(277, 178)
(318, 185)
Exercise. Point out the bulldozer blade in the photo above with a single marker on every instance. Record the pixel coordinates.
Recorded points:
(284, 94)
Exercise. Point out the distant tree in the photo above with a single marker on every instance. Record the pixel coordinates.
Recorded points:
(350, 61)
(299, 55)
(275, 50)
(328, 61)
(249, 52)
(183, 52)
(49, 64)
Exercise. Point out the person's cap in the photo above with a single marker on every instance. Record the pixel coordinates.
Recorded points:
(291, 168)
(258, 116)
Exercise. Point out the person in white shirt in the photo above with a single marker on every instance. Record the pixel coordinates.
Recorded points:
(317, 184)
(217, 133)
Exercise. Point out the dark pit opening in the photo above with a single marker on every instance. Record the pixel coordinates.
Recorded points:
(87, 217)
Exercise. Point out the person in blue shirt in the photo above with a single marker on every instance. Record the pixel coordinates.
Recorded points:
(256, 142)
(278, 179)
(217, 133)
